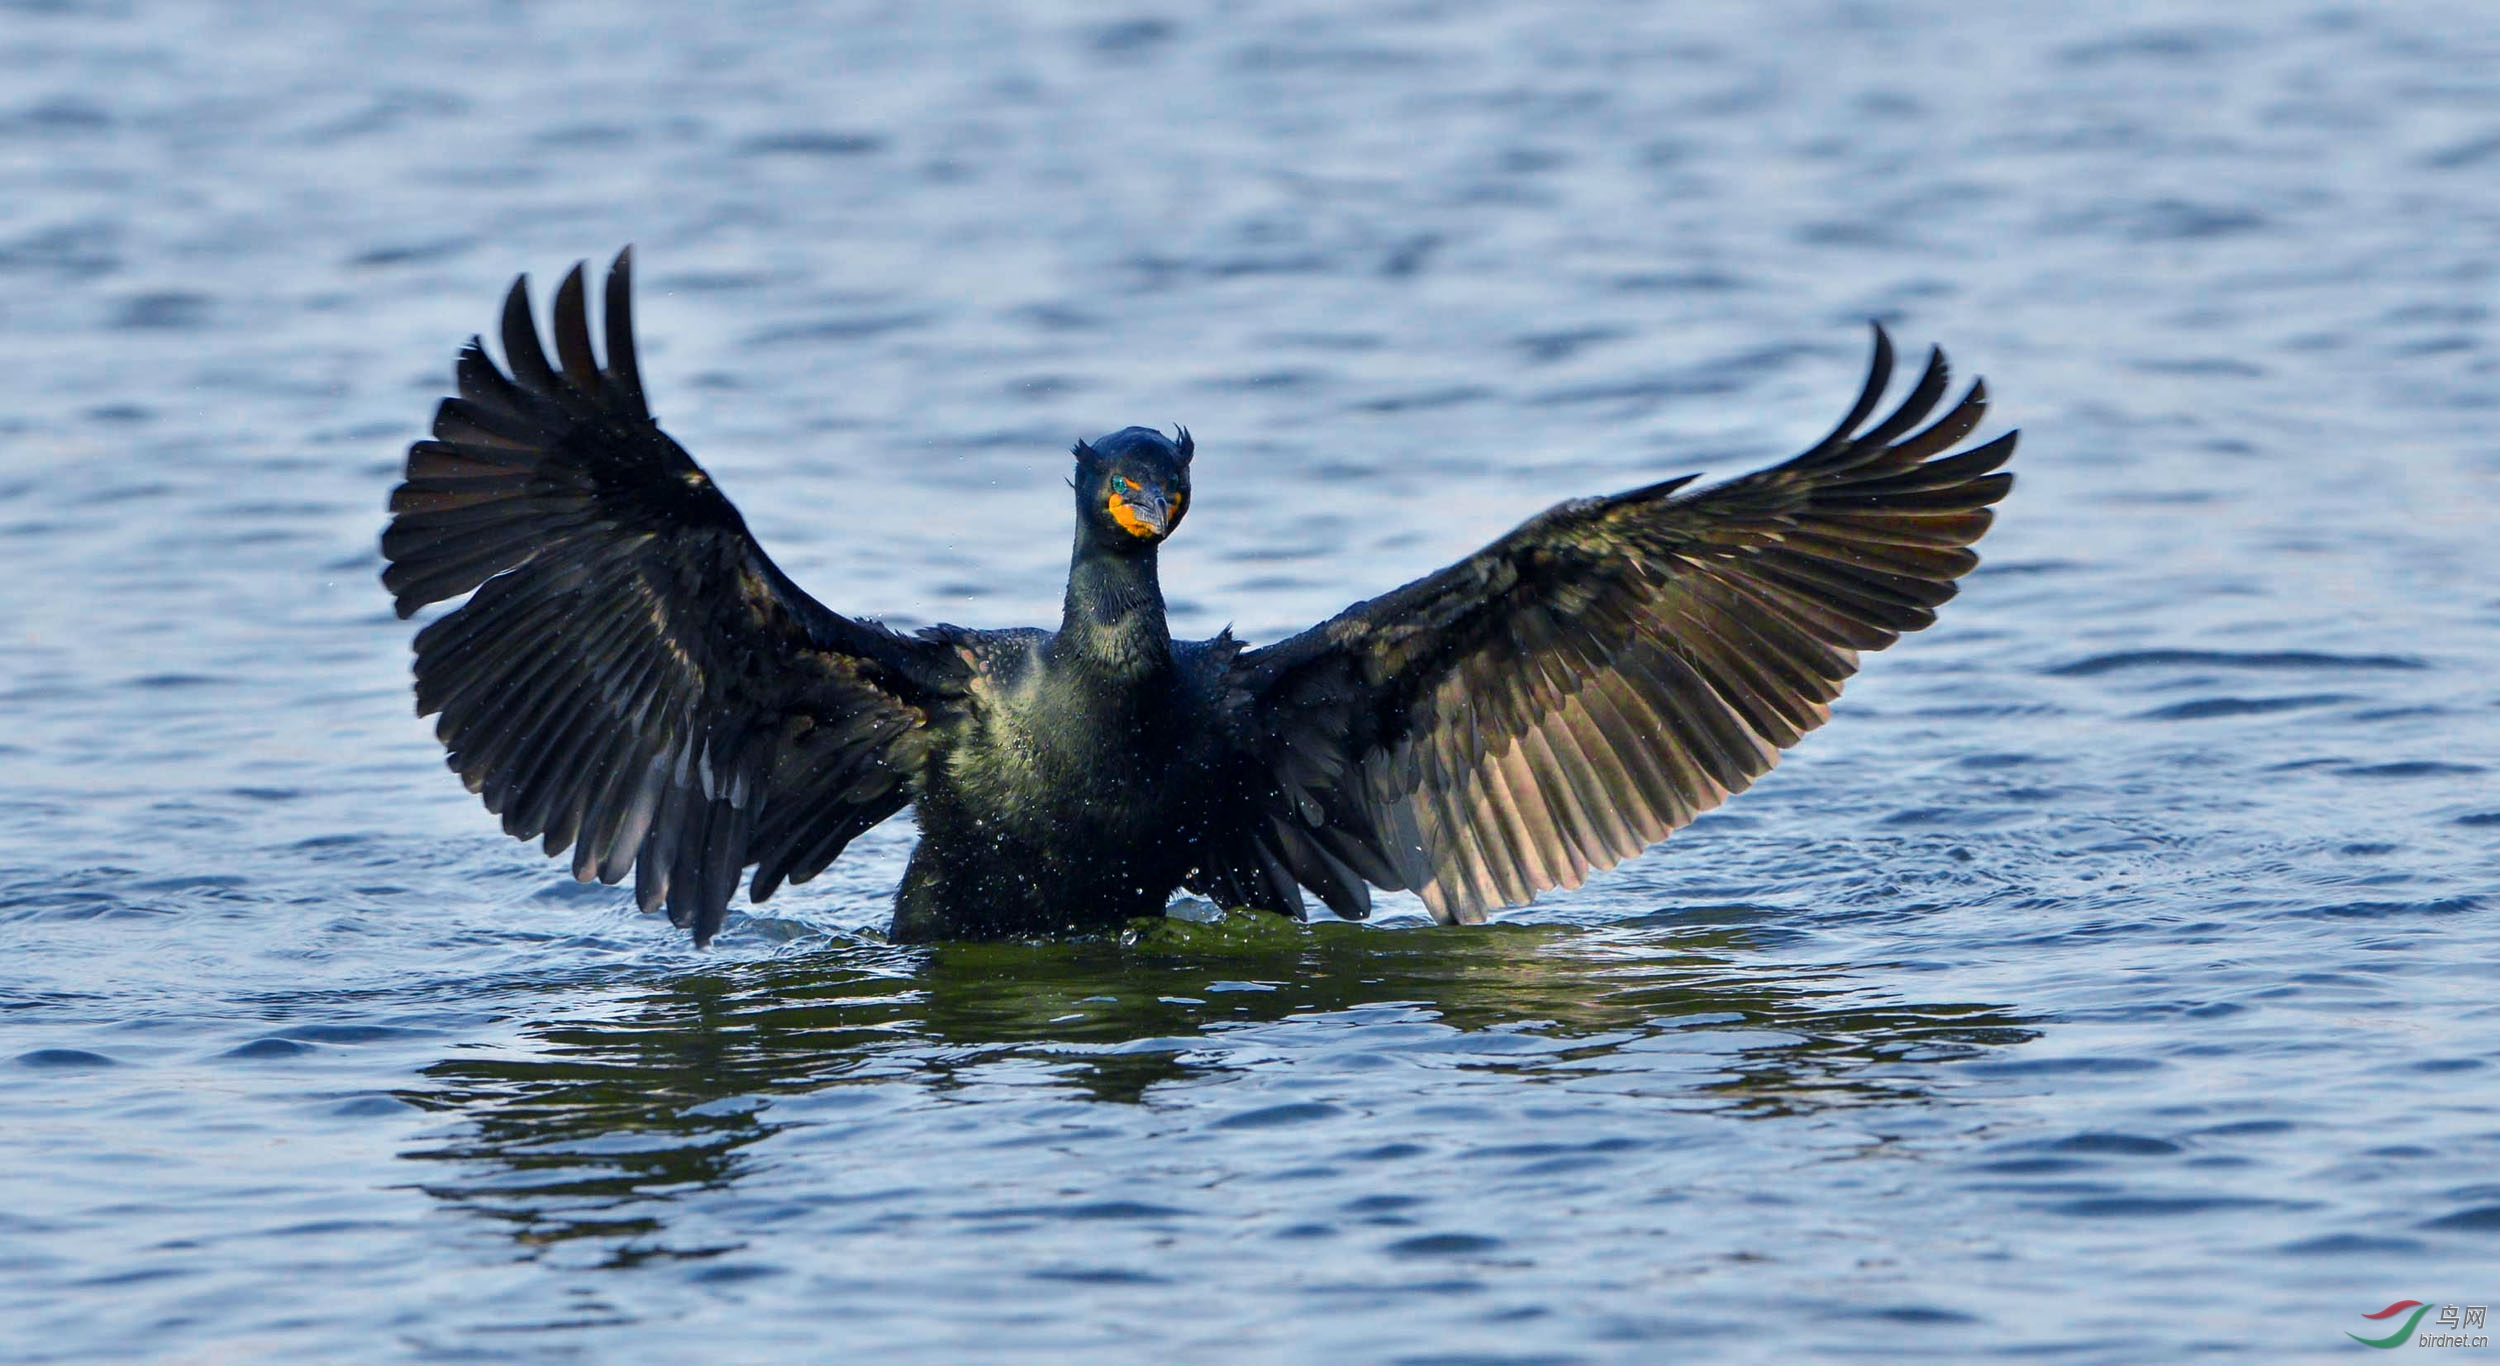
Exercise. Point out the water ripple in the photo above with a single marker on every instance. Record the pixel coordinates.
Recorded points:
(2121, 934)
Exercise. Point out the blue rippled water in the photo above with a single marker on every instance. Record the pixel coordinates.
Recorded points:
(2114, 980)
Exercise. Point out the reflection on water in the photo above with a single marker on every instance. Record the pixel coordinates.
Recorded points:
(590, 1128)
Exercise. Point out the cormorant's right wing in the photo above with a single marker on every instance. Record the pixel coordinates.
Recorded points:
(633, 677)
(1575, 691)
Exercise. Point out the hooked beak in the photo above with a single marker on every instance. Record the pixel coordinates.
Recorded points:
(1144, 514)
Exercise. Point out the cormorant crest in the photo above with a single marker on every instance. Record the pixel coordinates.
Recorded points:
(1183, 445)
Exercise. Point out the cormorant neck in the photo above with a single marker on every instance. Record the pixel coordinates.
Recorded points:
(1113, 619)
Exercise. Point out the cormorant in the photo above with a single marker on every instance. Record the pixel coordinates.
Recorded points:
(634, 679)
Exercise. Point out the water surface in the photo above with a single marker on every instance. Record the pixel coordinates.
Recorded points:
(2112, 981)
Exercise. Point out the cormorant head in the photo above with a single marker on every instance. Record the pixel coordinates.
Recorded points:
(1133, 486)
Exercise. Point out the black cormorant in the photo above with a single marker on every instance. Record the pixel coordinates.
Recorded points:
(634, 679)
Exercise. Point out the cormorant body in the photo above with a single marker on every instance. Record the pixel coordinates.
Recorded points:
(1069, 795)
(633, 680)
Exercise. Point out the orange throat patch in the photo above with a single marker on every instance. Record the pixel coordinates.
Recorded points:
(1128, 519)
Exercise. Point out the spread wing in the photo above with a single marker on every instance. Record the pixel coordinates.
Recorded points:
(1572, 693)
(633, 678)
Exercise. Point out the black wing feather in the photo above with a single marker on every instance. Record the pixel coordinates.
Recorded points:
(1592, 681)
(632, 677)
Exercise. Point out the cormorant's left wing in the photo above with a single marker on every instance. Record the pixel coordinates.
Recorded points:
(1572, 693)
(633, 677)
